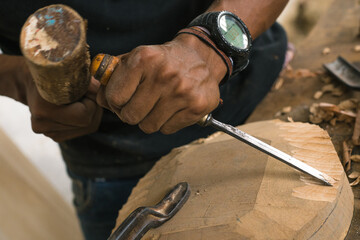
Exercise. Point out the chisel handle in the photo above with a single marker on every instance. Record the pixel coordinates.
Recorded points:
(102, 67)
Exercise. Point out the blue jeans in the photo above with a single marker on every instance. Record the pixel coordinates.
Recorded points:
(97, 202)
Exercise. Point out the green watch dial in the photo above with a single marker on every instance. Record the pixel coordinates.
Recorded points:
(232, 32)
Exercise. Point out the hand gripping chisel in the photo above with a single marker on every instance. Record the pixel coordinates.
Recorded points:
(102, 67)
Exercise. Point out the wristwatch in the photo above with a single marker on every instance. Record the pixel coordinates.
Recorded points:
(230, 35)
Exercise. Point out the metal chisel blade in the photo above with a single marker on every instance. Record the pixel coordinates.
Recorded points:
(266, 148)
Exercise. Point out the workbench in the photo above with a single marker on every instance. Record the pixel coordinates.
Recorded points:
(338, 31)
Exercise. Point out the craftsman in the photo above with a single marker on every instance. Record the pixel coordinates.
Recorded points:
(155, 96)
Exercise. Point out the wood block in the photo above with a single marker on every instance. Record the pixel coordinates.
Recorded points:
(30, 208)
(53, 41)
(241, 193)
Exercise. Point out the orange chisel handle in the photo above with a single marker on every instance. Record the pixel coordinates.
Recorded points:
(102, 67)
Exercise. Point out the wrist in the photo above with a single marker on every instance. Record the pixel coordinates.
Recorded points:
(214, 61)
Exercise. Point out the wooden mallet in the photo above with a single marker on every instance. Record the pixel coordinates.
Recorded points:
(53, 41)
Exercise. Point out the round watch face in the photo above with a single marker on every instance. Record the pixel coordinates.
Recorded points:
(231, 30)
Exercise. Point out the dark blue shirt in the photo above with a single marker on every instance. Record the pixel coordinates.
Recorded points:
(118, 150)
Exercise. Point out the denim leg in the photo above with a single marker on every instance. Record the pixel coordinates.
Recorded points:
(97, 203)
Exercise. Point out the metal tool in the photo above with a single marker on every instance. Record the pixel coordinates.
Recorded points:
(143, 218)
(345, 72)
(208, 120)
(99, 68)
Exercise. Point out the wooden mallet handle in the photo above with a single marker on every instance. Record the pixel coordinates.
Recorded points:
(53, 41)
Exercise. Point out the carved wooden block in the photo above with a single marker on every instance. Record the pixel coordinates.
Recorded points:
(241, 193)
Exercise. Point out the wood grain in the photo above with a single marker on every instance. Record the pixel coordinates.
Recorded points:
(241, 193)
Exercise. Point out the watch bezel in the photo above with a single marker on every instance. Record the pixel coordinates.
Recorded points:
(211, 22)
(240, 23)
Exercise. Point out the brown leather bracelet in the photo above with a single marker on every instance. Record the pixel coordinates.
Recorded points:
(202, 35)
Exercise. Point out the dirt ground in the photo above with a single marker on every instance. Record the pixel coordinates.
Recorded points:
(321, 31)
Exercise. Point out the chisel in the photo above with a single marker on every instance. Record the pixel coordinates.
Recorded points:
(102, 67)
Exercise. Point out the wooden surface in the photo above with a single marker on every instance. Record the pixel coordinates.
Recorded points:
(53, 40)
(241, 193)
(29, 206)
(337, 29)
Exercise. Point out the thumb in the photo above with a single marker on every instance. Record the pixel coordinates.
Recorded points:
(93, 89)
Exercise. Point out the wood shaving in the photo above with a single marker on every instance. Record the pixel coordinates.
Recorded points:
(286, 109)
(328, 88)
(320, 72)
(349, 104)
(356, 182)
(326, 79)
(354, 174)
(357, 48)
(278, 84)
(333, 121)
(346, 162)
(326, 51)
(303, 73)
(320, 112)
(290, 119)
(337, 92)
(318, 94)
(356, 134)
(355, 158)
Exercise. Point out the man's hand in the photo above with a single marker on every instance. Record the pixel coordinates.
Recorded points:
(62, 122)
(165, 87)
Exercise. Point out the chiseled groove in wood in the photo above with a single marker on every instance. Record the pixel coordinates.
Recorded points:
(330, 213)
(323, 164)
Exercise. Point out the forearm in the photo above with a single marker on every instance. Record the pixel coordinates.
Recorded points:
(258, 15)
(12, 82)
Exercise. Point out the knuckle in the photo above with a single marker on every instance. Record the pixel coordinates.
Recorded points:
(38, 113)
(199, 105)
(54, 137)
(128, 117)
(167, 72)
(114, 100)
(148, 127)
(167, 130)
(142, 55)
(183, 87)
(36, 126)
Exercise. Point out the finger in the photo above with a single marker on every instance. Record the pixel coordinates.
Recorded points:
(140, 104)
(78, 114)
(93, 89)
(123, 83)
(101, 99)
(164, 109)
(191, 114)
(46, 126)
(59, 136)
(179, 121)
